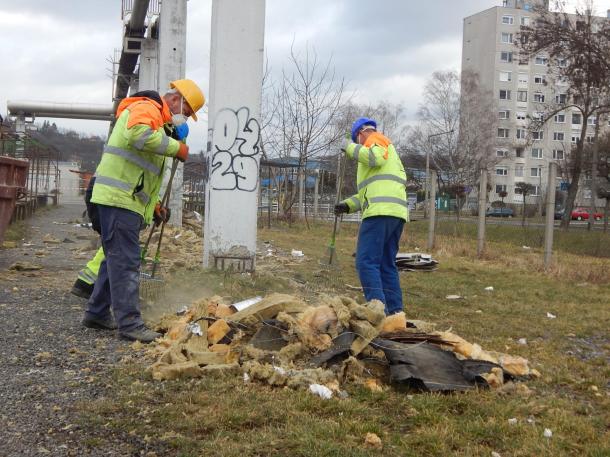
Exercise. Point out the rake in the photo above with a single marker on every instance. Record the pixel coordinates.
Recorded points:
(152, 288)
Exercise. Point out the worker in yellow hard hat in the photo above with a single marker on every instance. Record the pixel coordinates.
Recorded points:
(126, 190)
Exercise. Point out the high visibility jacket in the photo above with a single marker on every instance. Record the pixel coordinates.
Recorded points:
(90, 272)
(130, 172)
(381, 179)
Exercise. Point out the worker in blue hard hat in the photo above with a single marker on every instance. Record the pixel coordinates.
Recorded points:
(382, 198)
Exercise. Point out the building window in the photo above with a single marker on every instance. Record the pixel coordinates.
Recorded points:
(523, 78)
(521, 95)
(502, 171)
(519, 153)
(560, 118)
(539, 79)
(539, 98)
(575, 139)
(521, 116)
(525, 20)
(541, 60)
(592, 121)
(539, 135)
(557, 154)
(518, 171)
(505, 114)
(537, 153)
(535, 172)
(503, 133)
(506, 76)
(536, 191)
(561, 99)
(590, 138)
(506, 56)
(509, 20)
(576, 118)
(501, 153)
(521, 134)
(500, 188)
(558, 136)
(562, 63)
(506, 37)
(504, 94)
(538, 116)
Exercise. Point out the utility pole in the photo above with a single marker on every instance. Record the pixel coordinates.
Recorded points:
(431, 210)
(482, 204)
(550, 217)
(428, 180)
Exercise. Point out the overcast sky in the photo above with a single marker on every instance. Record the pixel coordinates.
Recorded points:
(56, 50)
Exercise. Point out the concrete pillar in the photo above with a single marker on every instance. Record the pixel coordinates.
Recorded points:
(315, 194)
(172, 63)
(148, 74)
(301, 192)
(233, 156)
(20, 131)
(549, 225)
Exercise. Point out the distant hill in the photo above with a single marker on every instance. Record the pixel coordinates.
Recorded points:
(71, 145)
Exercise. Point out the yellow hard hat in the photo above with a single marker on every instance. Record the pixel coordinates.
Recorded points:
(191, 93)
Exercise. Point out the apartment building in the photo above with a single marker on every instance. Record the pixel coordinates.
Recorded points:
(521, 89)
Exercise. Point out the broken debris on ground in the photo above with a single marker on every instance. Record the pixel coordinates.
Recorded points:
(282, 341)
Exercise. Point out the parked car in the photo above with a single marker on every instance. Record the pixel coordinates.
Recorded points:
(582, 214)
(500, 212)
(559, 214)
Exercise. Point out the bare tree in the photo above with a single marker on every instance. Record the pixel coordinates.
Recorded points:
(456, 130)
(306, 102)
(576, 48)
(524, 189)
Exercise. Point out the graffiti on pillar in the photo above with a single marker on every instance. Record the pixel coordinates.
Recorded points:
(235, 148)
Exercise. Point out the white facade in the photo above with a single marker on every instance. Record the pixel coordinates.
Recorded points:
(521, 89)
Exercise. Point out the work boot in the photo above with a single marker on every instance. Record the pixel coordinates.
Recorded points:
(82, 289)
(142, 334)
(98, 323)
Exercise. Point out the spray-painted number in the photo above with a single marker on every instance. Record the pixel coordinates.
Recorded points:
(235, 146)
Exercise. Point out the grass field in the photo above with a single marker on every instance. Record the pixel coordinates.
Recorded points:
(226, 417)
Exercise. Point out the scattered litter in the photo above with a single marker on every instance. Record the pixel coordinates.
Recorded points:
(24, 266)
(246, 377)
(177, 236)
(68, 240)
(550, 315)
(478, 311)
(495, 454)
(547, 433)
(522, 341)
(454, 297)
(296, 253)
(182, 311)
(239, 306)
(526, 247)
(530, 420)
(321, 391)
(512, 421)
(198, 216)
(373, 441)
(489, 289)
(415, 261)
(195, 329)
(50, 239)
(84, 225)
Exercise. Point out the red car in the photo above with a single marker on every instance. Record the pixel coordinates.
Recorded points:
(582, 214)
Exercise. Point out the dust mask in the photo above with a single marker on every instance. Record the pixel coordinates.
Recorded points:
(179, 118)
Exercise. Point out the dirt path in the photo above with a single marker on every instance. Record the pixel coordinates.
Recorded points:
(48, 361)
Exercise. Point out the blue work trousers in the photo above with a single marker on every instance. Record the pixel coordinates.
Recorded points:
(376, 260)
(118, 280)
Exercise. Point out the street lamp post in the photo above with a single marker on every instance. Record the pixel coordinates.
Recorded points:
(428, 181)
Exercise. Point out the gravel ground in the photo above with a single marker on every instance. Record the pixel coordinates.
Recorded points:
(49, 362)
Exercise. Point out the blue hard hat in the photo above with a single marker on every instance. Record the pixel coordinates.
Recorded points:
(359, 123)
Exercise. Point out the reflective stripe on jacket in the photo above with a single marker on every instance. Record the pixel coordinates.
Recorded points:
(381, 179)
(130, 172)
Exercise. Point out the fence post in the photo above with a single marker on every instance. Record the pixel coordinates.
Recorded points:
(431, 209)
(315, 195)
(550, 215)
(482, 204)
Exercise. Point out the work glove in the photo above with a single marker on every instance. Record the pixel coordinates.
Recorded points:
(182, 131)
(346, 142)
(341, 208)
(183, 153)
(161, 214)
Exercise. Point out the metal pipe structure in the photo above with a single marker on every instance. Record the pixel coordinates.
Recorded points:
(482, 204)
(99, 112)
(549, 225)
